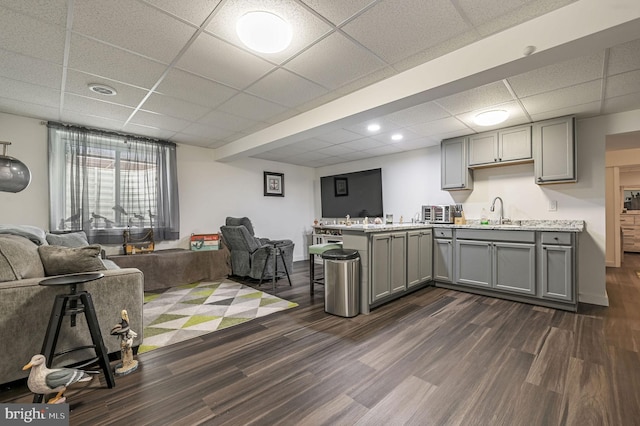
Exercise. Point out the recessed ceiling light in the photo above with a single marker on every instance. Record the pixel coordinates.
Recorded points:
(489, 118)
(397, 137)
(264, 32)
(102, 89)
(373, 127)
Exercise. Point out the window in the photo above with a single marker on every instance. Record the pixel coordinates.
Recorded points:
(105, 183)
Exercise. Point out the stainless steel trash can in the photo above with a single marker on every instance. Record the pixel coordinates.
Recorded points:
(342, 282)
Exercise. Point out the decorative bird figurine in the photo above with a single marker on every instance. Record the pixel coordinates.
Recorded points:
(123, 326)
(43, 380)
(118, 208)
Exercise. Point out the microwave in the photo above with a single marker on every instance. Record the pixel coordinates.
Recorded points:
(438, 213)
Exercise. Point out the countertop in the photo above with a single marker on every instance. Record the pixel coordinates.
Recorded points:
(522, 225)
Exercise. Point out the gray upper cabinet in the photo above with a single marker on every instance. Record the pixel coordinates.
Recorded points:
(455, 175)
(419, 257)
(554, 151)
(502, 146)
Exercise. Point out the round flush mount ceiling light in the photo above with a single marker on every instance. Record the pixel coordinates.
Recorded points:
(489, 118)
(373, 127)
(102, 89)
(397, 137)
(264, 32)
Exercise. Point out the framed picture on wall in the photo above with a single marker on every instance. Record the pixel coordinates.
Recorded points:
(273, 184)
(341, 187)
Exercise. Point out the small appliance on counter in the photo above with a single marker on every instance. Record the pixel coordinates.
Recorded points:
(441, 213)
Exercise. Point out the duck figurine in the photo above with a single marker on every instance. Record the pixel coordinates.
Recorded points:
(43, 380)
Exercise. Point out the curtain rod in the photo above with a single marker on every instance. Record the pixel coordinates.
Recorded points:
(55, 124)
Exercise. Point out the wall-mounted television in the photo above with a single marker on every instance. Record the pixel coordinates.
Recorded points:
(357, 194)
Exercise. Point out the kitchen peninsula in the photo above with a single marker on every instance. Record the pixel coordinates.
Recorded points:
(529, 261)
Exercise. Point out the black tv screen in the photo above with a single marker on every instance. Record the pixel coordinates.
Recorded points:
(357, 194)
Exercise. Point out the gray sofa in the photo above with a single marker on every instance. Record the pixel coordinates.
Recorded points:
(25, 306)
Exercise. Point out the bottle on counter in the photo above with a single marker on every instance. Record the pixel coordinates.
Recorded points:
(484, 218)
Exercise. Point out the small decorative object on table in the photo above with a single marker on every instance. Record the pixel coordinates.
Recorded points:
(140, 245)
(377, 221)
(204, 242)
(126, 335)
(43, 380)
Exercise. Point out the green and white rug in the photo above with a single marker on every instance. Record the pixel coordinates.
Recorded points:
(191, 310)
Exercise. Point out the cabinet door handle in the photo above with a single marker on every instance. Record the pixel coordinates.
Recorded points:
(462, 186)
(495, 159)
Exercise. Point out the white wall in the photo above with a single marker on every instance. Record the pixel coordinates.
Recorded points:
(413, 178)
(209, 191)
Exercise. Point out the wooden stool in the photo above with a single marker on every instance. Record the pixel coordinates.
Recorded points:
(67, 304)
(318, 249)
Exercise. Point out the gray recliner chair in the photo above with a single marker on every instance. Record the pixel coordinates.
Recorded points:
(251, 256)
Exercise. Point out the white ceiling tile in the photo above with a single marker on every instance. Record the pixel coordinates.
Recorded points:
(306, 27)
(192, 140)
(563, 98)
(88, 120)
(557, 76)
(92, 57)
(310, 156)
(419, 114)
(622, 84)
(623, 58)
(479, 12)
(29, 93)
(78, 83)
(29, 36)
(336, 150)
(476, 99)
(183, 85)
(227, 121)
(285, 88)
(209, 132)
(194, 11)
(51, 11)
(589, 109)
(251, 107)
(267, 156)
(158, 121)
(384, 150)
(437, 127)
(355, 155)
(338, 11)
(417, 143)
(339, 136)
(426, 55)
(363, 144)
(96, 107)
(622, 103)
(334, 61)
(30, 70)
(148, 131)
(220, 61)
(423, 24)
(12, 106)
(313, 144)
(289, 150)
(132, 25)
(178, 108)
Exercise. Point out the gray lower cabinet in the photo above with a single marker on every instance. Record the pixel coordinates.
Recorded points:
(556, 266)
(455, 174)
(499, 265)
(443, 260)
(419, 257)
(388, 264)
(554, 151)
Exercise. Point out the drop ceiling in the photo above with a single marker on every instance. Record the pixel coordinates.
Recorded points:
(181, 73)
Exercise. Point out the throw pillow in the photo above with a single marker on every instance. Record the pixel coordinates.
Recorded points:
(70, 260)
(19, 259)
(70, 239)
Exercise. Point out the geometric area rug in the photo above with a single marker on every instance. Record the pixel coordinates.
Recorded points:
(191, 310)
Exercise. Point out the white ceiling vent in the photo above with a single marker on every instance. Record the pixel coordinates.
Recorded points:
(102, 89)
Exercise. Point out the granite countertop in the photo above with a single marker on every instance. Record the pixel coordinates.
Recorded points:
(520, 225)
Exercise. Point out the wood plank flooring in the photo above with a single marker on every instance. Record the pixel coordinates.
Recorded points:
(435, 357)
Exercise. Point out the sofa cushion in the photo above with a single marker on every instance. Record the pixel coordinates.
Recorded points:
(19, 258)
(70, 239)
(59, 260)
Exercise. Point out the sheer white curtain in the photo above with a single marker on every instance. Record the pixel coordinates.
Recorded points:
(104, 183)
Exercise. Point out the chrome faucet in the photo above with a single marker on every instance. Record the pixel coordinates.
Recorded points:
(493, 208)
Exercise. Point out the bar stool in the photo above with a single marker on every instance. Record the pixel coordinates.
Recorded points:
(72, 304)
(276, 252)
(317, 250)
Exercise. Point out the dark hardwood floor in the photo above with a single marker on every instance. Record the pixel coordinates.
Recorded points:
(435, 357)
